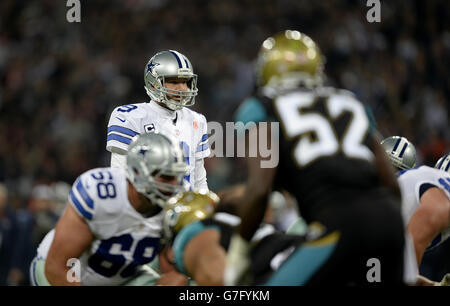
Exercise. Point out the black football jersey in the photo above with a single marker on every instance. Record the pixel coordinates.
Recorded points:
(324, 145)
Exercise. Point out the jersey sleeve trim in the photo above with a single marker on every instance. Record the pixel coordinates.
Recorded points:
(424, 187)
(118, 138)
(203, 144)
(122, 130)
(84, 195)
(79, 207)
(202, 147)
(81, 200)
(183, 238)
(120, 134)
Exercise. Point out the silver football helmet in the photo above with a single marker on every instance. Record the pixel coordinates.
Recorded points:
(170, 64)
(151, 156)
(401, 152)
(444, 163)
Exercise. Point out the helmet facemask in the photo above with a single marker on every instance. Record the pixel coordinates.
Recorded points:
(149, 172)
(157, 191)
(161, 93)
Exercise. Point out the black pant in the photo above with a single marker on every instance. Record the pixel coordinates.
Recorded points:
(436, 262)
(371, 230)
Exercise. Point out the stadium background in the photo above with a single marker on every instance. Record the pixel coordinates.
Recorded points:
(59, 82)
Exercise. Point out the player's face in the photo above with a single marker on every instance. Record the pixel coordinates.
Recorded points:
(176, 84)
(167, 179)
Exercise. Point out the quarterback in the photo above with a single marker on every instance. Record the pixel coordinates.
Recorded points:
(113, 219)
(171, 85)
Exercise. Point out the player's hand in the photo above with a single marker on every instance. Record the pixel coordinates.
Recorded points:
(172, 278)
(166, 260)
(445, 280)
(238, 262)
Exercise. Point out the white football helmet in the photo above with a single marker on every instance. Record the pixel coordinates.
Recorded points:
(170, 64)
(153, 155)
(444, 163)
(401, 152)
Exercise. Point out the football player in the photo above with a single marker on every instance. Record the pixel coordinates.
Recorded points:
(333, 165)
(198, 232)
(113, 220)
(425, 202)
(171, 85)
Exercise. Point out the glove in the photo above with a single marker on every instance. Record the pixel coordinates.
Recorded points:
(237, 262)
(445, 280)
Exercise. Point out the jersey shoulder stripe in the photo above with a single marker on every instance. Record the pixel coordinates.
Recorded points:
(123, 130)
(84, 195)
(78, 206)
(121, 134)
(122, 139)
(98, 194)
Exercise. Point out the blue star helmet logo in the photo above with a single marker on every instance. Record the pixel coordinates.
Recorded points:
(142, 151)
(150, 66)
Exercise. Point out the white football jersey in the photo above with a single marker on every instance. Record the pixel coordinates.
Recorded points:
(187, 126)
(412, 184)
(411, 181)
(123, 238)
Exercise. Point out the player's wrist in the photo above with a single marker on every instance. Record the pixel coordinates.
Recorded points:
(238, 261)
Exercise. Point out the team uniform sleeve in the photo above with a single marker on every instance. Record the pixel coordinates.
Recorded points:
(99, 214)
(202, 149)
(183, 238)
(81, 199)
(121, 131)
(251, 110)
(118, 161)
(200, 175)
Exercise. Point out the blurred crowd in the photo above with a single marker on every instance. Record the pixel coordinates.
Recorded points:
(59, 82)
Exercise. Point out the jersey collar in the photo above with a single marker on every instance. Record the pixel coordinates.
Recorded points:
(162, 111)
